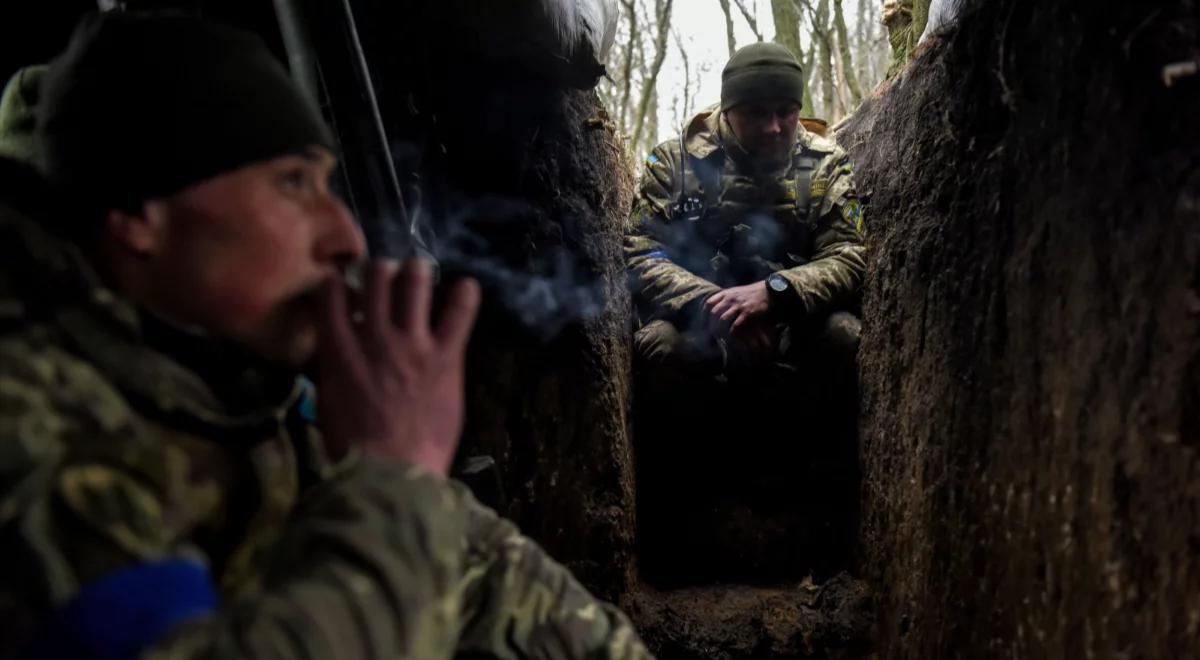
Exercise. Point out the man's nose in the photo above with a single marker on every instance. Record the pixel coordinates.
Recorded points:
(340, 240)
(774, 126)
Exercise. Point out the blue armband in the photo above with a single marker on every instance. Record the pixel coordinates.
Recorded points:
(125, 613)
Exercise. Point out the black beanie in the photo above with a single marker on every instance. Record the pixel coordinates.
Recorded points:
(762, 71)
(143, 105)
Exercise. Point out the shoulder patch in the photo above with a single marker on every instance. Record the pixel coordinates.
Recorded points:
(852, 211)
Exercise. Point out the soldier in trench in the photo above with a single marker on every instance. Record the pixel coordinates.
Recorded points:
(746, 255)
(162, 494)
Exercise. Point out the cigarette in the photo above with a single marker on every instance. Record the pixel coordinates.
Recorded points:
(352, 275)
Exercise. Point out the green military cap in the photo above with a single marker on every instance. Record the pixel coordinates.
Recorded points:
(761, 72)
(143, 105)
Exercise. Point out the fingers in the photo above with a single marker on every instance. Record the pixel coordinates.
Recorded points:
(334, 332)
(458, 316)
(414, 295)
(721, 307)
(378, 292)
(737, 323)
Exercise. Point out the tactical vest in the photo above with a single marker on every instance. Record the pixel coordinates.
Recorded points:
(738, 229)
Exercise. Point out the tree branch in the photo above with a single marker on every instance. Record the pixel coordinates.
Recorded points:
(749, 16)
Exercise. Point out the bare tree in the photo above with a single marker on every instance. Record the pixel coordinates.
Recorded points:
(662, 15)
(689, 93)
(627, 65)
(809, 64)
(728, 27)
(905, 20)
(848, 75)
(751, 18)
(787, 26)
(821, 35)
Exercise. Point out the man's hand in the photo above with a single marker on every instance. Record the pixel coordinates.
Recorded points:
(740, 312)
(388, 382)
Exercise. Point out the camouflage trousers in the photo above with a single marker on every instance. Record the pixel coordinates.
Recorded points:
(817, 358)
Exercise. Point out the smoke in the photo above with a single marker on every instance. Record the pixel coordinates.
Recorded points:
(542, 288)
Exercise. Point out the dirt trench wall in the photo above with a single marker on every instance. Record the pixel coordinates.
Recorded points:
(1031, 349)
(528, 189)
(553, 410)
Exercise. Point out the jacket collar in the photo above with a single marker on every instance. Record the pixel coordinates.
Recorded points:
(709, 132)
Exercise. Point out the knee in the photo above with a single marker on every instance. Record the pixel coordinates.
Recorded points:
(842, 332)
(657, 343)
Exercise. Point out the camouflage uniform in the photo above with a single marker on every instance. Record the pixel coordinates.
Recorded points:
(750, 227)
(804, 223)
(130, 445)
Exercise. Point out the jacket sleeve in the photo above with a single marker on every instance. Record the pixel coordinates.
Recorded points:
(663, 288)
(834, 275)
(381, 560)
(518, 603)
(433, 574)
(367, 567)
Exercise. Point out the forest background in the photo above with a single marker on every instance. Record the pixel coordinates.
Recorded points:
(666, 61)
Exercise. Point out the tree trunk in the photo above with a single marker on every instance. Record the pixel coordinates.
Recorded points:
(728, 27)
(809, 63)
(842, 105)
(627, 64)
(787, 26)
(920, 16)
(825, 58)
(650, 132)
(663, 19)
(1031, 346)
(751, 20)
(897, 16)
(687, 80)
(848, 74)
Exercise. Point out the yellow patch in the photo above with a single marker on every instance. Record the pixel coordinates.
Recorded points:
(819, 188)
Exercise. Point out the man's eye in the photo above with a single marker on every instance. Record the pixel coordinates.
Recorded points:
(296, 179)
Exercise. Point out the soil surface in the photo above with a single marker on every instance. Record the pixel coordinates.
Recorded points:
(804, 620)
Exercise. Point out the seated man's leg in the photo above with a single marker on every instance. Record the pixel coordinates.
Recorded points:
(662, 344)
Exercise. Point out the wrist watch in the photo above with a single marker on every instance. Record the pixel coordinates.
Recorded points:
(778, 286)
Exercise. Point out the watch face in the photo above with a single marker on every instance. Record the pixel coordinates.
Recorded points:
(777, 283)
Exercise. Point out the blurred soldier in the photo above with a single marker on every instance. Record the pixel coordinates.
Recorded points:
(162, 494)
(745, 245)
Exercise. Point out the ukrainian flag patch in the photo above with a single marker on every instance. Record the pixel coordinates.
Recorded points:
(852, 211)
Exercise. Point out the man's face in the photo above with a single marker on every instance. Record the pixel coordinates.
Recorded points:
(242, 254)
(766, 129)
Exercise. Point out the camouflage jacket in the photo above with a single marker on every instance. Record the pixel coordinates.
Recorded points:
(739, 228)
(162, 497)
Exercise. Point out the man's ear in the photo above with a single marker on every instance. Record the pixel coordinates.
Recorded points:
(140, 232)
